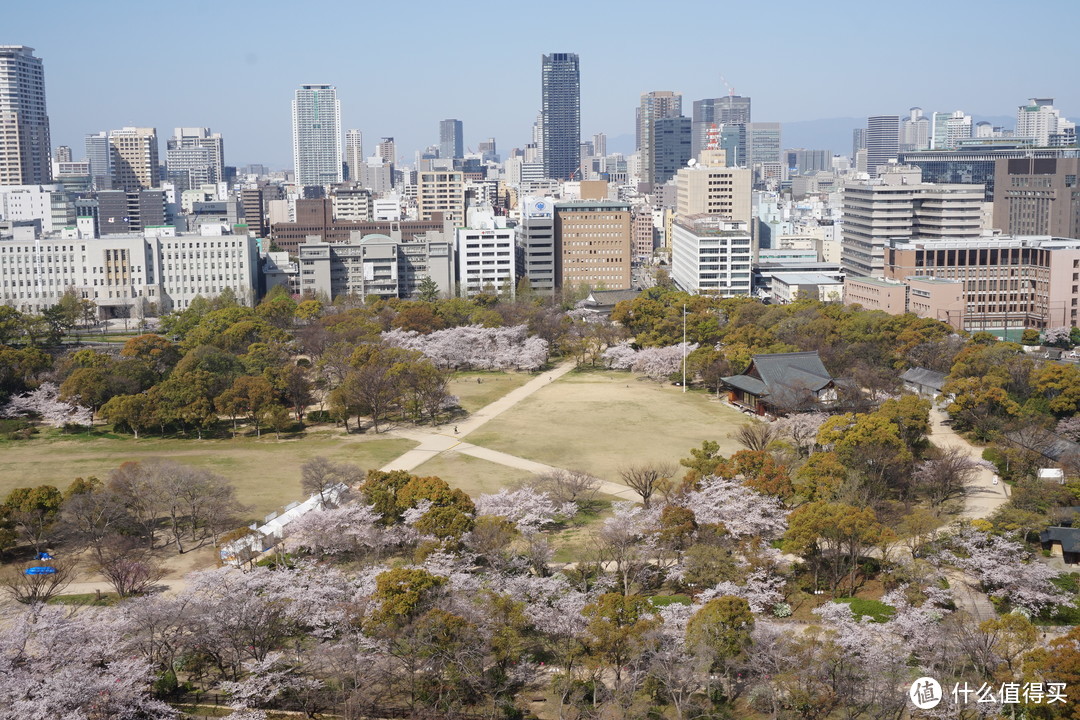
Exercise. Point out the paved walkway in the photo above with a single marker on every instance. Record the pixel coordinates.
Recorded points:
(444, 438)
(983, 496)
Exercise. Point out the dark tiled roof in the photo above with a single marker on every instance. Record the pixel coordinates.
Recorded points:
(1067, 536)
(783, 373)
(609, 297)
(924, 377)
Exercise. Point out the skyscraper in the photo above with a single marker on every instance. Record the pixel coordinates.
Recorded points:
(654, 106)
(915, 131)
(451, 144)
(354, 153)
(949, 129)
(1039, 119)
(882, 141)
(97, 153)
(387, 150)
(561, 114)
(133, 159)
(316, 113)
(25, 146)
(727, 110)
(670, 140)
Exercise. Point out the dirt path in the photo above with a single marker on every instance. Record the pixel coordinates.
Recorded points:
(983, 496)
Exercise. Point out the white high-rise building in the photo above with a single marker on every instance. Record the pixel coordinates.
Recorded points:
(354, 153)
(25, 147)
(915, 131)
(1039, 119)
(950, 129)
(195, 156)
(711, 255)
(316, 113)
(536, 236)
(486, 254)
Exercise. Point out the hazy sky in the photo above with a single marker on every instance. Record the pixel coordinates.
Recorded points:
(402, 66)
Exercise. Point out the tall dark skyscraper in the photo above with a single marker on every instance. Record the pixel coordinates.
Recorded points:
(451, 144)
(561, 115)
(25, 149)
(882, 141)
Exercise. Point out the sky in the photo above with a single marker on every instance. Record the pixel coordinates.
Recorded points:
(401, 67)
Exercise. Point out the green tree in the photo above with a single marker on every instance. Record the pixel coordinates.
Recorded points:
(402, 594)
(154, 350)
(834, 537)
(34, 512)
(618, 629)
(247, 395)
(721, 630)
(136, 412)
(427, 290)
(1060, 385)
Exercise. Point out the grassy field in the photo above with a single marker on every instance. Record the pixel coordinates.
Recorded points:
(492, 386)
(600, 421)
(266, 472)
(473, 475)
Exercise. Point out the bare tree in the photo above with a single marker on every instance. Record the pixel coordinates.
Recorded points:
(945, 476)
(319, 475)
(569, 486)
(36, 584)
(756, 435)
(645, 478)
(129, 566)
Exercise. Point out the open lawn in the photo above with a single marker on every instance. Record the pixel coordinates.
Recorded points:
(473, 475)
(600, 421)
(266, 471)
(492, 386)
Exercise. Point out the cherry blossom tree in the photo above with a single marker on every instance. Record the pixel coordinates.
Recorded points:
(528, 509)
(762, 591)
(474, 346)
(658, 363)
(45, 403)
(743, 512)
(802, 429)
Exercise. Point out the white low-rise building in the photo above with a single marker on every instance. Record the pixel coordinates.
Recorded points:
(486, 254)
(126, 275)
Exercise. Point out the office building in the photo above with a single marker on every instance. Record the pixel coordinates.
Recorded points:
(654, 106)
(315, 217)
(486, 252)
(670, 146)
(802, 161)
(352, 204)
(127, 275)
(1038, 197)
(316, 124)
(949, 129)
(25, 145)
(915, 131)
(536, 237)
(1009, 282)
(376, 264)
(899, 206)
(599, 141)
(858, 142)
(976, 164)
(441, 192)
(728, 111)
(253, 209)
(451, 141)
(560, 115)
(1041, 121)
(133, 159)
(194, 157)
(99, 157)
(711, 255)
(488, 151)
(354, 154)
(937, 298)
(594, 239)
(51, 206)
(882, 141)
(387, 150)
(644, 233)
(712, 188)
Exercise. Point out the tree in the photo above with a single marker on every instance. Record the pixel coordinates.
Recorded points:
(645, 478)
(526, 508)
(250, 395)
(375, 382)
(945, 475)
(820, 478)
(29, 585)
(721, 630)
(136, 412)
(1060, 385)
(130, 567)
(402, 594)
(155, 351)
(756, 435)
(618, 627)
(298, 390)
(834, 537)
(34, 513)
(319, 475)
(569, 486)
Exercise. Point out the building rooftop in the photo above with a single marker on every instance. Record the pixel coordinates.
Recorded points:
(880, 282)
(801, 278)
(935, 280)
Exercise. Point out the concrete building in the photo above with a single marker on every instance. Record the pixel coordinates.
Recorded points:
(712, 188)
(316, 126)
(133, 159)
(352, 204)
(194, 157)
(1008, 282)
(315, 217)
(536, 237)
(915, 131)
(655, 106)
(49, 205)
(763, 144)
(882, 141)
(100, 159)
(376, 264)
(937, 298)
(594, 241)
(128, 275)
(949, 129)
(644, 233)
(25, 145)
(1037, 197)
(253, 206)
(354, 154)
(486, 252)
(451, 140)
(387, 150)
(788, 287)
(897, 205)
(711, 255)
(560, 115)
(1041, 121)
(976, 164)
(441, 192)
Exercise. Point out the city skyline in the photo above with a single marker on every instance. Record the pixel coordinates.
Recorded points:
(398, 100)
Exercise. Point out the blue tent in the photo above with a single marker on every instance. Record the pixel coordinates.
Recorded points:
(40, 571)
(45, 556)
